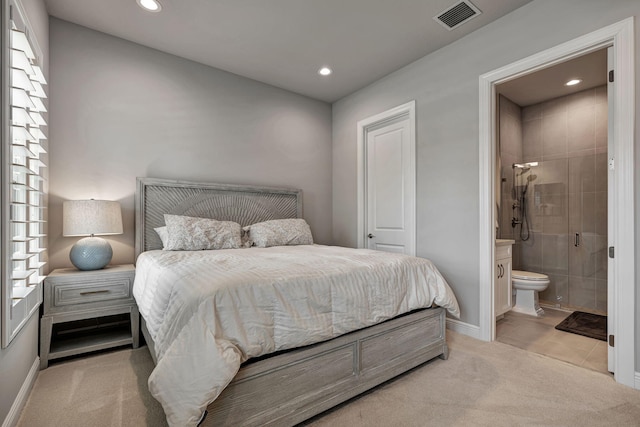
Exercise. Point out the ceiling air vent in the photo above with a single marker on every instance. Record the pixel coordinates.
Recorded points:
(457, 14)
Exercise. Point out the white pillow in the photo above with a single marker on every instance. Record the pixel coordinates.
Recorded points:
(280, 232)
(163, 234)
(192, 234)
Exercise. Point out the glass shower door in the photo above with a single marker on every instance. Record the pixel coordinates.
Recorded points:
(548, 253)
(588, 233)
(568, 215)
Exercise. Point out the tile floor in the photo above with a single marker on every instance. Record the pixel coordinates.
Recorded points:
(540, 336)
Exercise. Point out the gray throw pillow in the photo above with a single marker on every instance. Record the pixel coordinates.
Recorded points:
(191, 234)
(280, 232)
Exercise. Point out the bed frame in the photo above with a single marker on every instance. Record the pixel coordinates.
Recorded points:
(289, 387)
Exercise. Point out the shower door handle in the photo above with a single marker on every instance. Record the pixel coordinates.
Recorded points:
(576, 241)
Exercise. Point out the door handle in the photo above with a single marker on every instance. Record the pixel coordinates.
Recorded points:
(576, 241)
(371, 236)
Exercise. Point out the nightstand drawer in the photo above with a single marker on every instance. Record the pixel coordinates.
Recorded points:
(68, 290)
(83, 294)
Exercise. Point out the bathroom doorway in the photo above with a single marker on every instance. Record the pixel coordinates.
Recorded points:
(621, 267)
(551, 194)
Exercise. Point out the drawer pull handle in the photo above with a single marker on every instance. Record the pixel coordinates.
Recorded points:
(104, 291)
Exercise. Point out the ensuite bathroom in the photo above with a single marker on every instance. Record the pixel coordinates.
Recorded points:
(551, 197)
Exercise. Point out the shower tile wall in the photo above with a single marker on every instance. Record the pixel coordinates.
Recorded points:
(568, 137)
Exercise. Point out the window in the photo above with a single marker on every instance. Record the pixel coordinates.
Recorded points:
(23, 178)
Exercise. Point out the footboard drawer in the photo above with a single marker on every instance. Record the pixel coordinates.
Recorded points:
(396, 345)
(254, 392)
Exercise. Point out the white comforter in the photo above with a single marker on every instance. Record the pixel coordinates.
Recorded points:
(209, 311)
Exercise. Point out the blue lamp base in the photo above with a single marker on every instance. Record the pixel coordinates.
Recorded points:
(91, 253)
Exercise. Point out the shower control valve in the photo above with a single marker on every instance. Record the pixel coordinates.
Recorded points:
(515, 221)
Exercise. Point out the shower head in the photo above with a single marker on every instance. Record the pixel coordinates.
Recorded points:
(530, 178)
(524, 166)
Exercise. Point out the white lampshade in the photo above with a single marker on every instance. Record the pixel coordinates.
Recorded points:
(91, 217)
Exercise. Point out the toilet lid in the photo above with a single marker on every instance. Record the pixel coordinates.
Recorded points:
(528, 275)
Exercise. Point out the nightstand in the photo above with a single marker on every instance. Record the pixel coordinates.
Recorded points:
(73, 295)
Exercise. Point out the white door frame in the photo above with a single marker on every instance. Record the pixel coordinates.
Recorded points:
(621, 37)
(408, 110)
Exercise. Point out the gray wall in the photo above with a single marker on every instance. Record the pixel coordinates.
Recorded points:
(445, 87)
(120, 110)
(17, 359)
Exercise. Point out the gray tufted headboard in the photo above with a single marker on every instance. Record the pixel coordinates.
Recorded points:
(243, 204)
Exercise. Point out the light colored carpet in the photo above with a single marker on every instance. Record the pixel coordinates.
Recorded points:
(482, 384)
(106, 389)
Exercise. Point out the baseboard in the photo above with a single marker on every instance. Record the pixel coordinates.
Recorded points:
(472, 331)
(554, 307)
(23, 395)
(636, 384)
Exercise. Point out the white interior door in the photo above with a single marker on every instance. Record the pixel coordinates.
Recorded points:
(389, 146)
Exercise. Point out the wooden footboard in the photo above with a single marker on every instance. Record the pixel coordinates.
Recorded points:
(290, 387)
(293, 386)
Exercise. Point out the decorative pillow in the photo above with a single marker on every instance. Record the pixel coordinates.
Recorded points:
(163, 234)
(192, 234)
(280, 232)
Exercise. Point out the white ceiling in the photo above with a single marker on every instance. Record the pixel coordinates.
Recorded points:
(285, 42)
(549, 83)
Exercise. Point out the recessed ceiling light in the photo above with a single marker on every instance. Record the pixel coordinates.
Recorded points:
(325, 71)
(150, 5)
(573, 82)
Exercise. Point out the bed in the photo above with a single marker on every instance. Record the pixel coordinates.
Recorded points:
(297, 369)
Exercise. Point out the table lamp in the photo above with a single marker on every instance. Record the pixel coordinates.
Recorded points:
(91, 218)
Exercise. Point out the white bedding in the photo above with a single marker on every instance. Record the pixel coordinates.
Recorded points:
(209, 311)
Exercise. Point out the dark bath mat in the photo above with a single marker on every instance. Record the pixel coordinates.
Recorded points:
(586, 324)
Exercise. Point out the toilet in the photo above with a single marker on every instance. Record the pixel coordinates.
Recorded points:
(527, 285)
